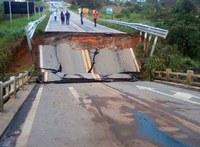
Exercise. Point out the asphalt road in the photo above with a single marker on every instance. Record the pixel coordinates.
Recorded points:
(108, 114)
(61, 63)
(124, 114)
(76, 26)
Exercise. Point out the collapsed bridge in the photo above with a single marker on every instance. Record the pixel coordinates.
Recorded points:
(86, 57)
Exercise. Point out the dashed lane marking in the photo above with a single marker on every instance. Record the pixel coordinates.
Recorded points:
(75, 94)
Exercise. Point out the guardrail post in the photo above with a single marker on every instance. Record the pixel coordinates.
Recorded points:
(26, 77)
(189, 76)
(168, 71)
(13, 86)
(23, 80)
(140, 36)
(20, 80)
(145, 42)
(154, 45)
(1, 96)
(149, 41)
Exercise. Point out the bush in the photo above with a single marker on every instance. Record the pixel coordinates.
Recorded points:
(5, 59)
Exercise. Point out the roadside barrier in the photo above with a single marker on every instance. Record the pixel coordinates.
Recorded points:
(141, 27)
(10, 87)
(188, 78)
(30, 29)
(148, 31)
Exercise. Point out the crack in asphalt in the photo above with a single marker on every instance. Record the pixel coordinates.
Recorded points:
(96, 52)
(56, 52)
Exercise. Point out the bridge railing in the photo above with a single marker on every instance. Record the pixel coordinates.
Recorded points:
(30, 29)
(9, 88)
(141, 27)
(148, 31)
(188, 78)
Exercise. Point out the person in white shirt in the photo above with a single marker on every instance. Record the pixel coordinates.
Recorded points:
(55, 15)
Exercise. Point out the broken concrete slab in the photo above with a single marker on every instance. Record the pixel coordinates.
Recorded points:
(106, 62)
(71, 60)
(60, 74)
(48, 58)
(118, 76)
(48, 76)
(127, 60)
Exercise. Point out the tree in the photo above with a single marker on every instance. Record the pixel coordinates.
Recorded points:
(184, 28)
(196, 4)
(93, 4)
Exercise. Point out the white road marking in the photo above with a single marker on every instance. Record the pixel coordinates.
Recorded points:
(75, 94)
(178, 95)
(47, 26)
(41, 58)
(114, 92)
(134, 60)
(28, 124)
(77, 27)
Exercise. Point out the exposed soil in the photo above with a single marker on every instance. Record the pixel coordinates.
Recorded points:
(22, 56)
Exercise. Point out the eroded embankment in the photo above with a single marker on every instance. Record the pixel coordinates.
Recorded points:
(22, 57)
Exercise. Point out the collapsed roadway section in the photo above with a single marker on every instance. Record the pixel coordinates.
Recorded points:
(88, 57)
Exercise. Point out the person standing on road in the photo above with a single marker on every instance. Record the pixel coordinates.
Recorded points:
(55, 15)
(81, 15)
(67, 16)
(62, 17)
(95, 16)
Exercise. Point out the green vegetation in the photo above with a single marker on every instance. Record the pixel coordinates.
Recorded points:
(92, 4)
(180, 51)
(11, 34)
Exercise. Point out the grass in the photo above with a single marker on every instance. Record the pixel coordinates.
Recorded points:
(12, 31)
(10, 34)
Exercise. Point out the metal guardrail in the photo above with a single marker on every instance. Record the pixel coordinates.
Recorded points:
(30, 29)
(10, 87)
(188, 78)
(141, 27)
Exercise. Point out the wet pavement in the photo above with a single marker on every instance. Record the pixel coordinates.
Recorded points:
(106, 114)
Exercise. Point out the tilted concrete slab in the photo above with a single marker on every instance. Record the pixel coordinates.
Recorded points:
(106, 62)
(109, 61)
(48, 58)
(48, 76)
(62, 63)
(127, 60)
(71, 60)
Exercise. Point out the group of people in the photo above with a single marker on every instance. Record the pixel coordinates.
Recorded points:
(63, 17)
(95, 17)
(66, 17)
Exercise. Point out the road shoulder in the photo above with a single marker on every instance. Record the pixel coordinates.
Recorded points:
(12, 107)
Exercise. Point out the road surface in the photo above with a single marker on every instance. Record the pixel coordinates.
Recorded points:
(76, 26)
(110, 114)
(62, 63)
